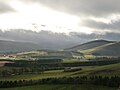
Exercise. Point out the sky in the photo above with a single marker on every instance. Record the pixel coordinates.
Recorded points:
(36, 16)
(59, 22)
(62, 16)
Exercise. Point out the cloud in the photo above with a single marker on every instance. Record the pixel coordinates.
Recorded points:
(50, 40)
(112, 26)
(45, 39)
(94, 36)
(84, 7)
(112, 36)
(4, 7)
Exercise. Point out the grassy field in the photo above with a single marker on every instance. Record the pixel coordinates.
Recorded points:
(61, 87)
(107, 70)
(47, 74)
(74, 60)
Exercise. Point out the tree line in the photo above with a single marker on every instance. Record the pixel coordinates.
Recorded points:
(96, 80)
(59, 63)
(26, 70)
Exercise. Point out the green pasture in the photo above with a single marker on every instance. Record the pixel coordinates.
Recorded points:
(61, 87)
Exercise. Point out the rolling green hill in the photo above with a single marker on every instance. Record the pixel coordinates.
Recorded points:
(98, 48)
(112, 49)
(89, 45)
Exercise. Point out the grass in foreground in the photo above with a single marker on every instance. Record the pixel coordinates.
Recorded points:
(61, 87)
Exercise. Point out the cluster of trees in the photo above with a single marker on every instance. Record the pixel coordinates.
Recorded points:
(59, 62)
(37, 62)
(51, 57)
(106, 81)
(72, 69)
(96, 80)
(18, 71)
(24, 70)
(92, 63)
(106, 58)
(46, 60)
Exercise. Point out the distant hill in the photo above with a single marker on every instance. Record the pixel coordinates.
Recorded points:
(89, 45)
(14, 46)
(112, 49)
(98, 48)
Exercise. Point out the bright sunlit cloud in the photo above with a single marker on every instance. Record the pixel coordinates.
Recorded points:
(37, 17)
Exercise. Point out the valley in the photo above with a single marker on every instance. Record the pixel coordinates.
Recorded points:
(86, 60)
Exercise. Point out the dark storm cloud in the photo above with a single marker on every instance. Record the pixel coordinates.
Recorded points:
(84, 7)
(113, 25)
(4, 7)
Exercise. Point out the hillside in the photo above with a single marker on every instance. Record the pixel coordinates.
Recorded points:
(98, 48)
(14, 46)
(89, 45)
(46, 54)
(105, 50)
